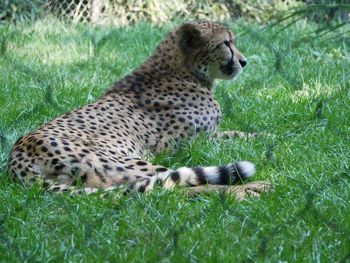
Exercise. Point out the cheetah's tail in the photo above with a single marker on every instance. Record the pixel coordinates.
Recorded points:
(219, 175)
(225, 175)
(228, 174)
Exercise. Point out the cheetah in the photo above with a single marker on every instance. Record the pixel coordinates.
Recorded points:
(169, 98)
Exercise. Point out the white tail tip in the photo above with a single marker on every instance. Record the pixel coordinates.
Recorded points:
(246, 168)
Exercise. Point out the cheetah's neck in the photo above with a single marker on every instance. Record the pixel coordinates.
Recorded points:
(167, 61)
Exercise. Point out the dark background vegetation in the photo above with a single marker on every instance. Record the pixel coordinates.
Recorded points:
(330, 15)
(130, 11)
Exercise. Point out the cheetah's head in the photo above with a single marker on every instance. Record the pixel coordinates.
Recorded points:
(209, 50)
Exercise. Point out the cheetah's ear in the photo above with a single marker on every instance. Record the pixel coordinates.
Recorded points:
(190, 37)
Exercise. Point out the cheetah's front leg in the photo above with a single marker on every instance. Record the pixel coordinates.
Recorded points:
(240, 192)
(240, 134)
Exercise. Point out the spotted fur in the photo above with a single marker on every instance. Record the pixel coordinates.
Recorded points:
(167, 99)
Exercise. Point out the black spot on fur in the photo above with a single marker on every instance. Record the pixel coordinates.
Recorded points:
(224, 175)
(44, 149)
(161, 169)
(67, 149)
(199, 171)
(141, 163)
(120, 169)
(107, 167)
(175, 176)
(84, 178)
(142, 189)
(59, 167)
(55, 189)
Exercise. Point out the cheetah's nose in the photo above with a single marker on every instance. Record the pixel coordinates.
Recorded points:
(243, 63)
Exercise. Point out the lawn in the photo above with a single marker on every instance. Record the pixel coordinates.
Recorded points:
(296, 90)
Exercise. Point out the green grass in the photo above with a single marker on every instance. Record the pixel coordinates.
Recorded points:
(299, 93)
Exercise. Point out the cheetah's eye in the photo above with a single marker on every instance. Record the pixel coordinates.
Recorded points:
(227, 43)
